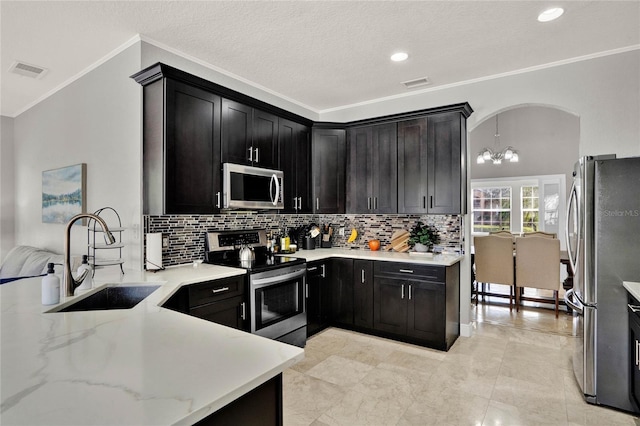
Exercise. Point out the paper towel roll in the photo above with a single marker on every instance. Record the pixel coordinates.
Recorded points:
(154, 251)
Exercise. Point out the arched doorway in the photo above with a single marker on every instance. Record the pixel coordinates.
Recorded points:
(547, 140)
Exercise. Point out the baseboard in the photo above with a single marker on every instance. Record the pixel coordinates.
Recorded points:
(466, 330)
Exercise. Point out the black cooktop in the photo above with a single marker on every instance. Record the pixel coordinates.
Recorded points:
(264, 261)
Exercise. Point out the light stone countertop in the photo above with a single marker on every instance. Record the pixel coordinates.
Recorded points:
(145, 365)
(389, 256)
(633, 288)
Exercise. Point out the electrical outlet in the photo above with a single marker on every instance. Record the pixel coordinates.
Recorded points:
(341, 231)
(165, 241)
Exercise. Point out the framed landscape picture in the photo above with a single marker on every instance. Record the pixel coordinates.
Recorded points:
(64, 193)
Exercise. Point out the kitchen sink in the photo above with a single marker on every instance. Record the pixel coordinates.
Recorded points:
(117, 297)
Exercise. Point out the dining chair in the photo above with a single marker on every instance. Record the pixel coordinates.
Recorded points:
(493, 255)
(540, 234)
(537, 265)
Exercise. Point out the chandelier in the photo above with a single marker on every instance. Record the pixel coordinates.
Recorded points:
(496, 155)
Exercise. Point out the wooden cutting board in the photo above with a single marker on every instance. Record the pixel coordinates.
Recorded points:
(399, 241)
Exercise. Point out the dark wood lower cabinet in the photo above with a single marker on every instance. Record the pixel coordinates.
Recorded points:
(417, 303)
(318, 296)
(261, 406)
(363, 293)
(342, 292)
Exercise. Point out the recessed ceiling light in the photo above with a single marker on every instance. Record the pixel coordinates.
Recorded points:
(550, 14)
(399, 57)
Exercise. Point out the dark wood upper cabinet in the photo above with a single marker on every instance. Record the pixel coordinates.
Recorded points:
(181, 149)
(432, 164)
(294, 141)
(372, 174)
(249, 136)
(446, 152)
(328, 169)
(265, 140)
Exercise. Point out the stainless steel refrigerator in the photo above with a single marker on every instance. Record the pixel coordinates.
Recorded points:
(603, 241)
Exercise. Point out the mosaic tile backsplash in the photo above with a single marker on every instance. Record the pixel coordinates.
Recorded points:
(186, 232)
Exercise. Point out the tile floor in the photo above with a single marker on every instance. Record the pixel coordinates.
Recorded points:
(514, 370)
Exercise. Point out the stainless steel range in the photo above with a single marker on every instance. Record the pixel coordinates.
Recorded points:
(276, 284)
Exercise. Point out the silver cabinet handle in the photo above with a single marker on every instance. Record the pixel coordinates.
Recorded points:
(295, 203)
(306, 289)
(317, 203)
(634, 308)
(362, 276)
(250, 155)
(243, 311)
(375, 203)
(402, 296)
(218, 199)
(257, 156)
(323, 270)
(368, 203)
(638, 354)
(409, 291)
(430, 201)
(300, 203)
(407, 271)
(313, 268)
(219, 290)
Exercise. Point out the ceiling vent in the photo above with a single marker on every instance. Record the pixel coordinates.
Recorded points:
(27, 70)
(416, 83)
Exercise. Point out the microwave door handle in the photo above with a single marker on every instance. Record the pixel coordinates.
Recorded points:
(274, 197)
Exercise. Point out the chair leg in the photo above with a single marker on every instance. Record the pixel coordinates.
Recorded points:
(477, 292)
(517, 293)
(555, 294)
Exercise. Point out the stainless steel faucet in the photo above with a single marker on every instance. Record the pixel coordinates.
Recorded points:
(68, 282)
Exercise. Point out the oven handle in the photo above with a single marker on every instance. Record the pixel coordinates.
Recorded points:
(263, 282)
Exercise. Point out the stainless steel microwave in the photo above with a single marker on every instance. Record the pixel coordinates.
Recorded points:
(247, 187)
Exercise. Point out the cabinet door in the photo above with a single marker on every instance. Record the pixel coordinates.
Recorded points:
(303, 169)
(192, 152)
(342, 291)
(227, 312)
(237, 125)
(359, 170)
(390, 305)
(426, 311)
(384, 170)
(412, 166)
(363, 293)
(634, 357)
(314, 298)
(328, 156)
(444, 164)
(294, 141)
(265, 140)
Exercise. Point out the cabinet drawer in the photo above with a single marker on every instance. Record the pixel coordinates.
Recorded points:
(230, 312)
(410, 270)
(211, 291)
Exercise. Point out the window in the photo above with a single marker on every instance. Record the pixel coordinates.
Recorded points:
(491, 209)
(530, 208)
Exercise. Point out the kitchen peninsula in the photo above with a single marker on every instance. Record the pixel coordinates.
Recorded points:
(145, 365)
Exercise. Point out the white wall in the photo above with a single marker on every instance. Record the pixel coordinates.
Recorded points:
(152, 54)
(95, 120)
(7, 181)
(604, 92)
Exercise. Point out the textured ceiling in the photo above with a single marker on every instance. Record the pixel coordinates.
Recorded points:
(321, 54)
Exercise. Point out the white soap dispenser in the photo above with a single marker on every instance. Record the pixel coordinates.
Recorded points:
(87, 282)
(50, 287)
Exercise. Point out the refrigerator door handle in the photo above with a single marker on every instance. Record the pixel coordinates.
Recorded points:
(567, 299)
(573, 199)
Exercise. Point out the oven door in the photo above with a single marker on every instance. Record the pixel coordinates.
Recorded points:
(247, 187)
(277, 301)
